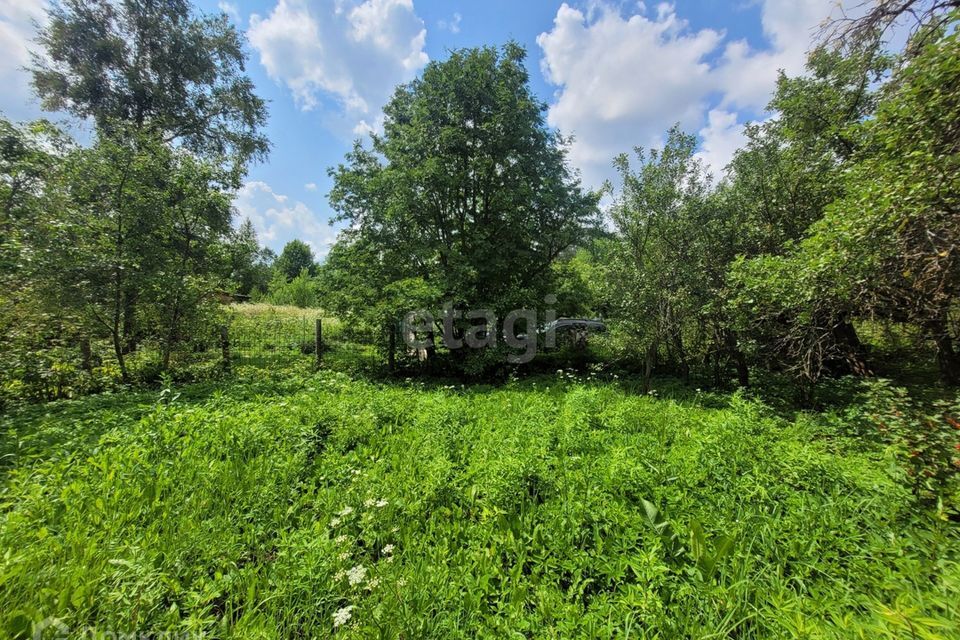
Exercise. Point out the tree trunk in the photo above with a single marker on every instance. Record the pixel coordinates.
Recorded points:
(129, 322)
(681, 357)
(852, 349)
(948, 361)
(171, 337)
(739, 360)
(648, 369)
(392, 348)
(86, 355)
(118, 350)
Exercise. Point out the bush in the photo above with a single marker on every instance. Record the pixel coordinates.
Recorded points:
(299, 292)
(925, 438)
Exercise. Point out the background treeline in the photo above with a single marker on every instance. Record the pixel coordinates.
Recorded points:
(833, 231)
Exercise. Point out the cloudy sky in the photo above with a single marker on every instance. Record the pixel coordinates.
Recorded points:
(614, 74)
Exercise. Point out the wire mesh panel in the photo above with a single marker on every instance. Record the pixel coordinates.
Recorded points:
(268, 338)
(263, 335)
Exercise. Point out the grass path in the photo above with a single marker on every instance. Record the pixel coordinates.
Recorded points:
(548, 509)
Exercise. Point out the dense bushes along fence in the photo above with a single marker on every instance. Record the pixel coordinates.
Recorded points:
(67, 364)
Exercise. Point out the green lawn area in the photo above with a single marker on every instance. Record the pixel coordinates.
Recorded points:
(301, 506)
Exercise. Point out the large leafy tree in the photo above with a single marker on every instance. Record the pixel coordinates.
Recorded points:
(296, 257)
(467, 192)
(154, 65)
(889, 247)
(781, 183)
(166, 91)
(98, 245)
(30, 158)
(652, 215)
(666, 276)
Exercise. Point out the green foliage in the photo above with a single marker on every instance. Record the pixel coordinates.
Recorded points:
(299, 292)
(926, 437)
(154, 66)
(467, 190)
(250, 264)
(886, 247)
(296, 257)
(281, 504)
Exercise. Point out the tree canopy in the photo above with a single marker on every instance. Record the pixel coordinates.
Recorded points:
(466, 190)
(155, 65)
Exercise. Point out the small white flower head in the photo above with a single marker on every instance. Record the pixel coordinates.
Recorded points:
(342, 616)
(356, 575)
(372, 584)
(340, 575)
(387, 550)
(369, 502)
(345, 555)
(341, 539)
(335, 523)
(345, 512)
(402, 582)
(381, 503)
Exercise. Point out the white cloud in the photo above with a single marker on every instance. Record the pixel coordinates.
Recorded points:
(278, 220)
(353, 52)
(16, 41)
(310, 186)
(623, 80)
(230, 9)
(452, 25)
(722, 136)
(747, 76)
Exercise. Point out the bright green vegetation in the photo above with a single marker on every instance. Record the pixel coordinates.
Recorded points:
(162, 493)
(551, 507)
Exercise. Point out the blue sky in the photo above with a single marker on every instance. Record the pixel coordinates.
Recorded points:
(614, 74)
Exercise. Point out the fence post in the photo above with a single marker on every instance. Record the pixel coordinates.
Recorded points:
(86, 354)
(225, 347)
(392, 358)
(318, 342)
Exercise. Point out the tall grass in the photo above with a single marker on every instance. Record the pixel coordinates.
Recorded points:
(553, 508)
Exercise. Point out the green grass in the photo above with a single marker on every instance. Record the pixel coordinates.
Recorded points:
(549, 508)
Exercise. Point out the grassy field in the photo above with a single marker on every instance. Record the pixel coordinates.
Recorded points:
(299, 506)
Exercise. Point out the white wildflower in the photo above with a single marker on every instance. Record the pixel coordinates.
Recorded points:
(345, 511)
(402, 582)
(381, 503)
(372, 584)
(340, 575)
(345, 555)
(388, 549)
(341, 539)
(335, 523)
(357, 574)
(369, 502)
(342, 616)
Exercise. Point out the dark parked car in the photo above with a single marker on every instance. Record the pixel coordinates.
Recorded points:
(575, 324)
